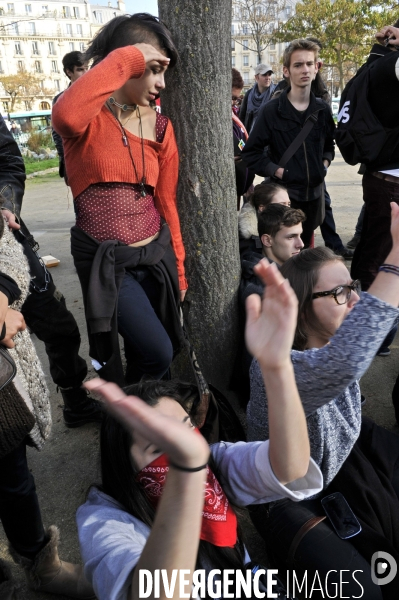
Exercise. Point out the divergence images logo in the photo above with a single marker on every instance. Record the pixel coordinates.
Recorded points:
(383, 568)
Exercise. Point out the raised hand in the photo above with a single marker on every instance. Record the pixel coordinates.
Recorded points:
(395, 224)
(182, 445)
(152, 54)
(271, 323)
(389, 32)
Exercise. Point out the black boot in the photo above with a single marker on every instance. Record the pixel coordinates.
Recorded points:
(79, 408)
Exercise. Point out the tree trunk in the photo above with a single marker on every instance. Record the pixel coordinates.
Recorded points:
(197, 98)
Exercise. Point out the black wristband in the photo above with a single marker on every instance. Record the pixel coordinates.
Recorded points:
(3, 332)
(188, 469)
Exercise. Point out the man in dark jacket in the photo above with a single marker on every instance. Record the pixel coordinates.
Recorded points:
(44, 310)
(280, 122)
(257, 96)
(381, 179)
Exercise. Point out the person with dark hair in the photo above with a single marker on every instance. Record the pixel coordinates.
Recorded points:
(25, 420)
(44, 309)
(263, 195)
(74, 66)
(281, 122)
(166, 499)
(337, 336)
(244, 177)
(122, 163)
(258, 96)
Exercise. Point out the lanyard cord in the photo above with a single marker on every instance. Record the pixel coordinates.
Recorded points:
(126, 143)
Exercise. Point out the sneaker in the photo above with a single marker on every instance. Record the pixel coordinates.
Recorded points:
(345, 253)
(79, 408)
(383, 352)
(353, 242)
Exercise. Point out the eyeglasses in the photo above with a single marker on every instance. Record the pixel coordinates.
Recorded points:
(341, 293)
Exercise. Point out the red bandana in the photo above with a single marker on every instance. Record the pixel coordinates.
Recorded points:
(219, 522)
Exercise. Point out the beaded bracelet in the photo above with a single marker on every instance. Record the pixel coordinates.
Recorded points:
(387, 268)
(188, 469)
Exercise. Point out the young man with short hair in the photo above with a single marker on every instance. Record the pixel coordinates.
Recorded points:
(280, 229)
(280, 122)
(74, 67)
(257, 96)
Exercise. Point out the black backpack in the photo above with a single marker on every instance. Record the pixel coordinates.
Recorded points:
(359, 135)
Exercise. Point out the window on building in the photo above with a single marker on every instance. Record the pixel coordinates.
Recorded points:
(18, 49)
(32, 28)
(288, 11)
(272, 46)
(51, 48)
(35, 48)
(20, 65)
(57, 85)
(245, 44)
(233, 44)
(69, 29)
(245, 61)
(71, 47)
(27, 105)
(246, 78)
(232, 29)
(81, 47)
(79, 30)
(66, 11)
(28, 8)
(245, 29)
(1, 10)
(10, 8)
(44, 106)
(45, 8)
(76, 12)
(233, 61)
(1, 67)
(42, 84)
(98, 16)
(54, 66)
(5, 104)
(38, 66)
(272, 58)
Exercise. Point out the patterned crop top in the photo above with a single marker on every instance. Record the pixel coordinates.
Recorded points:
(118, 211)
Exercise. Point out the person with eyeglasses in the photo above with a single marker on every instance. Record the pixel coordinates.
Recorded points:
(339, 332)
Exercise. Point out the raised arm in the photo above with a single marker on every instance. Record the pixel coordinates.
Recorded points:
(269, 336)
(174, 538)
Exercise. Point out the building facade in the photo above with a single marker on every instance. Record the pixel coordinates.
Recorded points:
(34, 37)
(244, 54)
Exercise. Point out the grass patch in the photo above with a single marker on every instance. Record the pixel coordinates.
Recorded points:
(32, 165)
(46, 178)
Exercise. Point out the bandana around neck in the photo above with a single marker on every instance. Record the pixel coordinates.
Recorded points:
(219, 522)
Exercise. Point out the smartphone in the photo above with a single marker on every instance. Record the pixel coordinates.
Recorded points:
(341, 516)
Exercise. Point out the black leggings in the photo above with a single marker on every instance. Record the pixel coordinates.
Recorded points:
(320, 550)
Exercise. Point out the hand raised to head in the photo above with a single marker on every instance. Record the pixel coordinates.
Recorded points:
(151, 53)
(271, 323)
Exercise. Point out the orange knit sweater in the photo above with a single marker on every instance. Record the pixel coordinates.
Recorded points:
(93, 148)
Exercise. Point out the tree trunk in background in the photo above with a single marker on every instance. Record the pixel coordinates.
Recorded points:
(197, 98)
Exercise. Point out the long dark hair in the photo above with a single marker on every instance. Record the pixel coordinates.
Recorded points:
(131, 29)
(302, 271)
(119, 474)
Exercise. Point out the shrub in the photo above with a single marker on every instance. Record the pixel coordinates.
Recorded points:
(40, 139)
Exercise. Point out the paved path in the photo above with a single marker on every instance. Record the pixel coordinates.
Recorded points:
(69, 462)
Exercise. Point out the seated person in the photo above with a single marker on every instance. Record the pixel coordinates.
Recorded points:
(338, 333)
(279, 229)
(155, 508)
(263, 195)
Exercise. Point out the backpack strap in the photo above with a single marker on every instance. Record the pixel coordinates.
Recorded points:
(300, 138)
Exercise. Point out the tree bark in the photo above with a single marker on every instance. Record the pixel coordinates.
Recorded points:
(197, 98)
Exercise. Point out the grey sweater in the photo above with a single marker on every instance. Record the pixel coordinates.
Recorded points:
(327, 380)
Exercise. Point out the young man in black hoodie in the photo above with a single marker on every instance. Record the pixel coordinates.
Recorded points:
(280, 121)
(381, 178)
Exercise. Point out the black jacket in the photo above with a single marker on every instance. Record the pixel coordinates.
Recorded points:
(12, 171)
(276, 127)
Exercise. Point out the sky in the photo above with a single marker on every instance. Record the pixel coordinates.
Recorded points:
(134, 6)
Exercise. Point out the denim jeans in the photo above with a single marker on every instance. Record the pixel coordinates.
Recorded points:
(148, 348)
(19, 505)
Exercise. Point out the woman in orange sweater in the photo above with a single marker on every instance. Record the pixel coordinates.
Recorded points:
(122, 163)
